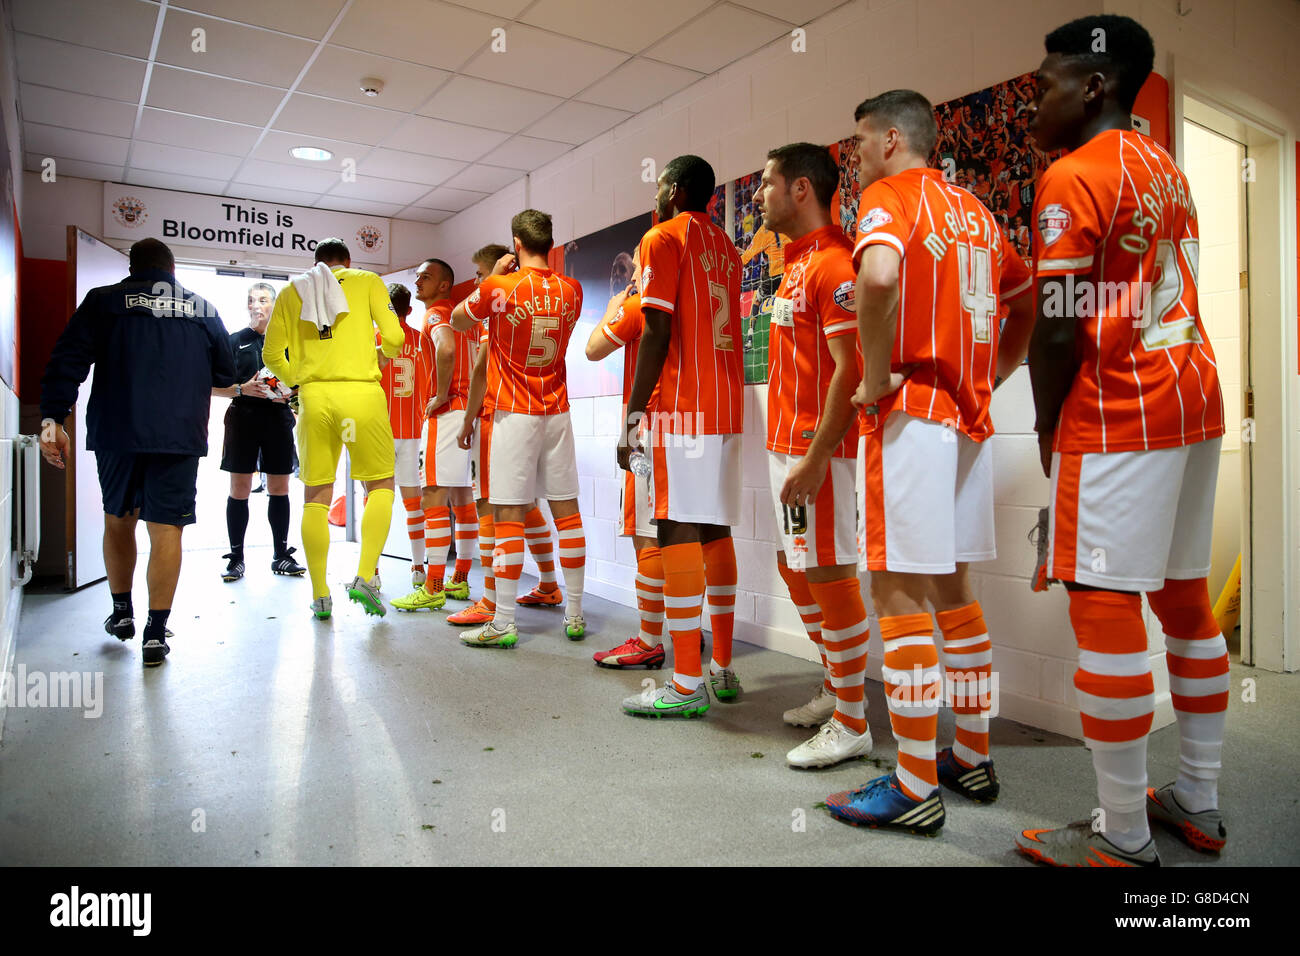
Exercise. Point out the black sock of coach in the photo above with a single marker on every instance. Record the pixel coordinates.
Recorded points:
(122, 605)
(277, 512)
(236, 522)
(156, 627)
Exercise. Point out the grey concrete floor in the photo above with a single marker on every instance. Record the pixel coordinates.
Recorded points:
(271, 738)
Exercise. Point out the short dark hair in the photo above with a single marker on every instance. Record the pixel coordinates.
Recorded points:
(1127, 54)
(906, 111)
(400, 296)
(151, 254)
(533, 229)
(447, 272)
(695, 177)
(332, 251)
(490, 254)
(262, 285)
(811, 162)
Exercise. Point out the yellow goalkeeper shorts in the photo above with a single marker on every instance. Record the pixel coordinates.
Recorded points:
(333, 415)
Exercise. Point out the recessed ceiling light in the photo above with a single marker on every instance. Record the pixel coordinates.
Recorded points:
(314, 153)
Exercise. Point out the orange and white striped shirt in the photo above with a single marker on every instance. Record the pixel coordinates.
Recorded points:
(438, 317)
(1116, 218)
(530, 315)
(691, 270)
(814, 304)
(406, 380)
(624, 329)
(956, 279)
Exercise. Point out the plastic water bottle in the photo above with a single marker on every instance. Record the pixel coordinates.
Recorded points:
(639, 464)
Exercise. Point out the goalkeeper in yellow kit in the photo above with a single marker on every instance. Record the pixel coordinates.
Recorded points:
(330, 340)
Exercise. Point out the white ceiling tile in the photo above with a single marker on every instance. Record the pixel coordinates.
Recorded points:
(444, 197)
(639, 83)
(118, 26)
(75, 167)
(411, 167)
(420, 214)
(420, 134)
(304, 18)
(484, 178)
(77, 111)
(493, 105)
(67, 67)
(721, 36)
(366, 207)
(509, 9)
(275, 146)
(609, 24)
(189, 184)
(259, 173)
(229, 49)
(160, 126)
(177, 159)
(551, 63)
(73, 144)
(526, 152)
(805, 11)
(378, 190)
(275, 194)
(422, 31)
(217, 97)
(577, 122)
(337, 72)
(322, 117)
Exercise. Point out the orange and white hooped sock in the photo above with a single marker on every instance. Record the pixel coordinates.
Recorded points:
(486, 544)
(1197, 656)
(720, 578)
(415, 529)
(650, 596)
(437, 537)
(968, 668)
(507, 565)
(844, 634)
(573, 559)
(1116, 694)
(538, 534)
(466, 532)
(913, 690)
(683, 602)
(810, 613)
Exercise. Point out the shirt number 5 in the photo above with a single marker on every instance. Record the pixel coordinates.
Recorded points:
(540, 340)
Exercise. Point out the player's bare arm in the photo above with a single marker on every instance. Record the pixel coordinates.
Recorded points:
(649, 367)
(474, 403)
(877, 300)
(804, 480)
(444, 358)
(1052, 364)
(461, 320)
(1013, 344)
(600, 345)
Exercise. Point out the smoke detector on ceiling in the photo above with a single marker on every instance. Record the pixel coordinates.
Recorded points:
(372, 85)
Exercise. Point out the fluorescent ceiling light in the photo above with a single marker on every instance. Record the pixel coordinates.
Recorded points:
(314, 153)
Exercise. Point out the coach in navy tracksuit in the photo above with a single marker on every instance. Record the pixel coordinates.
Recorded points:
(158, 351)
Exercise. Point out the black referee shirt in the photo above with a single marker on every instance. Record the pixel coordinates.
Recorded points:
(247, 346)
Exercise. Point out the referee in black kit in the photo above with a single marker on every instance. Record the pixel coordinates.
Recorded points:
(258, 423)
(158, 351)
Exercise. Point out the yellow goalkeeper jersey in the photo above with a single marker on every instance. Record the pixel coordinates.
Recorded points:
(345, 352)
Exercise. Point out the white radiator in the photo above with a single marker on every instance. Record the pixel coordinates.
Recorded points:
(27, 504)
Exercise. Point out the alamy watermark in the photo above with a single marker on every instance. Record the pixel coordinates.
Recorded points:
(83, 690)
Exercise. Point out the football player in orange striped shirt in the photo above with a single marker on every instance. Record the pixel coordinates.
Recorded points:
(621, 328)
(446, 464)
(405, 379)
(935, 277)
(1129, 419)
(530, 315)
(813, 369)
(691, 352)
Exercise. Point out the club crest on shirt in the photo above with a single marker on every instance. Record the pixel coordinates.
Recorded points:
(874, 220)
(646, 276)
(844, 297)
(1053, 222)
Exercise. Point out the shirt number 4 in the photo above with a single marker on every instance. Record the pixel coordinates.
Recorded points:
(977, 295)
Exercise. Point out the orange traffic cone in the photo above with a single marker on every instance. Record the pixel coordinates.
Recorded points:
(338, 512)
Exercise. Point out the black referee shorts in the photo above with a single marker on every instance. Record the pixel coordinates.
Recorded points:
(252, 429)
(162, 487)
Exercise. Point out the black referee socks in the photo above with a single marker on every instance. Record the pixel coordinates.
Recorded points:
(277, 512)
(237, 523)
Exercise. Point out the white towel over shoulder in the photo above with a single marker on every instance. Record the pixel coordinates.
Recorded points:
(323, 300)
